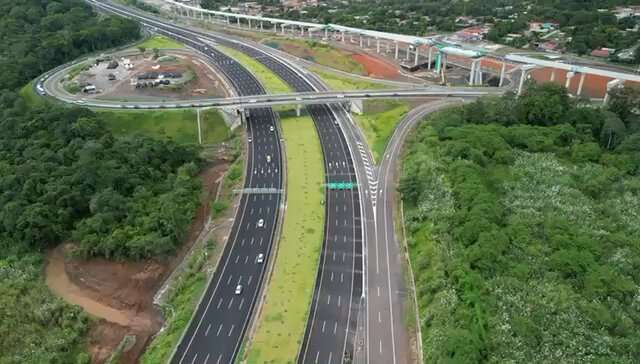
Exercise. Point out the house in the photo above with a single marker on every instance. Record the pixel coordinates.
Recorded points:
(540, 27)
(626, 11)
(549, 46)
(475, 33)
(602, 52)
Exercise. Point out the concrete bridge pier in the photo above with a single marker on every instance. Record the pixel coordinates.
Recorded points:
(233, 116)
(523, 76)
(356, 107)
(567, 82)
(396, 50)
(582, 77)
(417, 55)
(360, 40)
(430, 58)
(502, 71)
(553, 75)
(610, 86)
(298, 110)
(378, 45)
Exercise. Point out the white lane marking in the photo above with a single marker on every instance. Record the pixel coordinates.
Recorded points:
(194, 358)
(379, 317)
(229, 280)
(230, 303)
(232, 326)
(219, 303)
(219, 359)
(329, 362)
(323, 323)
(335, 327)
(317, 356)
(328, 299)
(206, 360)
(339, 300)
(241, 303)
(250, 279)
(219, 328)
(380, 346)
(206, 333)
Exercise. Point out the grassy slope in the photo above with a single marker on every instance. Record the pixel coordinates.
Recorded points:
(179, 308)
(317, 52)
(290, 290)
(378, 124)
(268, 79)
(160, 42)
(336, 82)
(181, 125)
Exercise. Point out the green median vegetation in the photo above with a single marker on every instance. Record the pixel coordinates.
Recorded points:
(523, 223)
(282, 322)
(345, 83)
(378, 122)
(178, 125)
(272, 83)
(160, 42)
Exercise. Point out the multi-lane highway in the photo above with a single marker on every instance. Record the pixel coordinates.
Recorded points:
(220, 321)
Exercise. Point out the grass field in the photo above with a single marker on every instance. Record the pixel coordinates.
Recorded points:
(282, 322)
(345, 83)
(272, 83)
(378, 122)
(29, 95)
(180, 125)
(317, 52)
(160, 42)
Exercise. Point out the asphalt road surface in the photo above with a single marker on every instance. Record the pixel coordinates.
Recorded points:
(220, 321)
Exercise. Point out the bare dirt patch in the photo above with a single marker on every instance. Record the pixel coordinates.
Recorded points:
(120, 294)
(376, 67)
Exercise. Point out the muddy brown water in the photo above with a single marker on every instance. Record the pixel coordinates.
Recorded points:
(59, 283)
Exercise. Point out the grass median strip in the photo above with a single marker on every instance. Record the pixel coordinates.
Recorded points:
(345, 83)
(272, 83)
(180, 125)
(160, 42)
(282, 321)
(379, 121)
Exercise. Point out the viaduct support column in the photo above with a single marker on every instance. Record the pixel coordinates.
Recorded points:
(610, 86)
(378, 45)
(342, 36)
(360, 40)
(326, 34)
(553, 75)
(417, 55)
(502, 70)
(582, 76)
(568, 81)
(472, 74)
(525, 73)
(396, 50)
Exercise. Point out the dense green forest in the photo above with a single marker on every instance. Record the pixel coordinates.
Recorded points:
(523, 219)
(64, 176)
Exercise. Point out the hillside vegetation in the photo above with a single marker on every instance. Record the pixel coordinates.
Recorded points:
(524, 221)
(65, 176)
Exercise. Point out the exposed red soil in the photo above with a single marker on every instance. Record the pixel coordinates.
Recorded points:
(376, 67)
(121, 294)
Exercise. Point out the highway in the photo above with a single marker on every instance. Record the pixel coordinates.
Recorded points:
(330, 332)
(331, 325)
(218, 326)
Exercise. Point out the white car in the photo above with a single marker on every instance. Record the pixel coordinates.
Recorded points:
(239, 289)
(260, 258)
(249, 139)
(268, 158)
(271, 128)
(261, 223)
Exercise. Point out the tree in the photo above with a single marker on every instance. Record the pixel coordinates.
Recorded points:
(142, 49)
(156, 53)
(613, 131)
